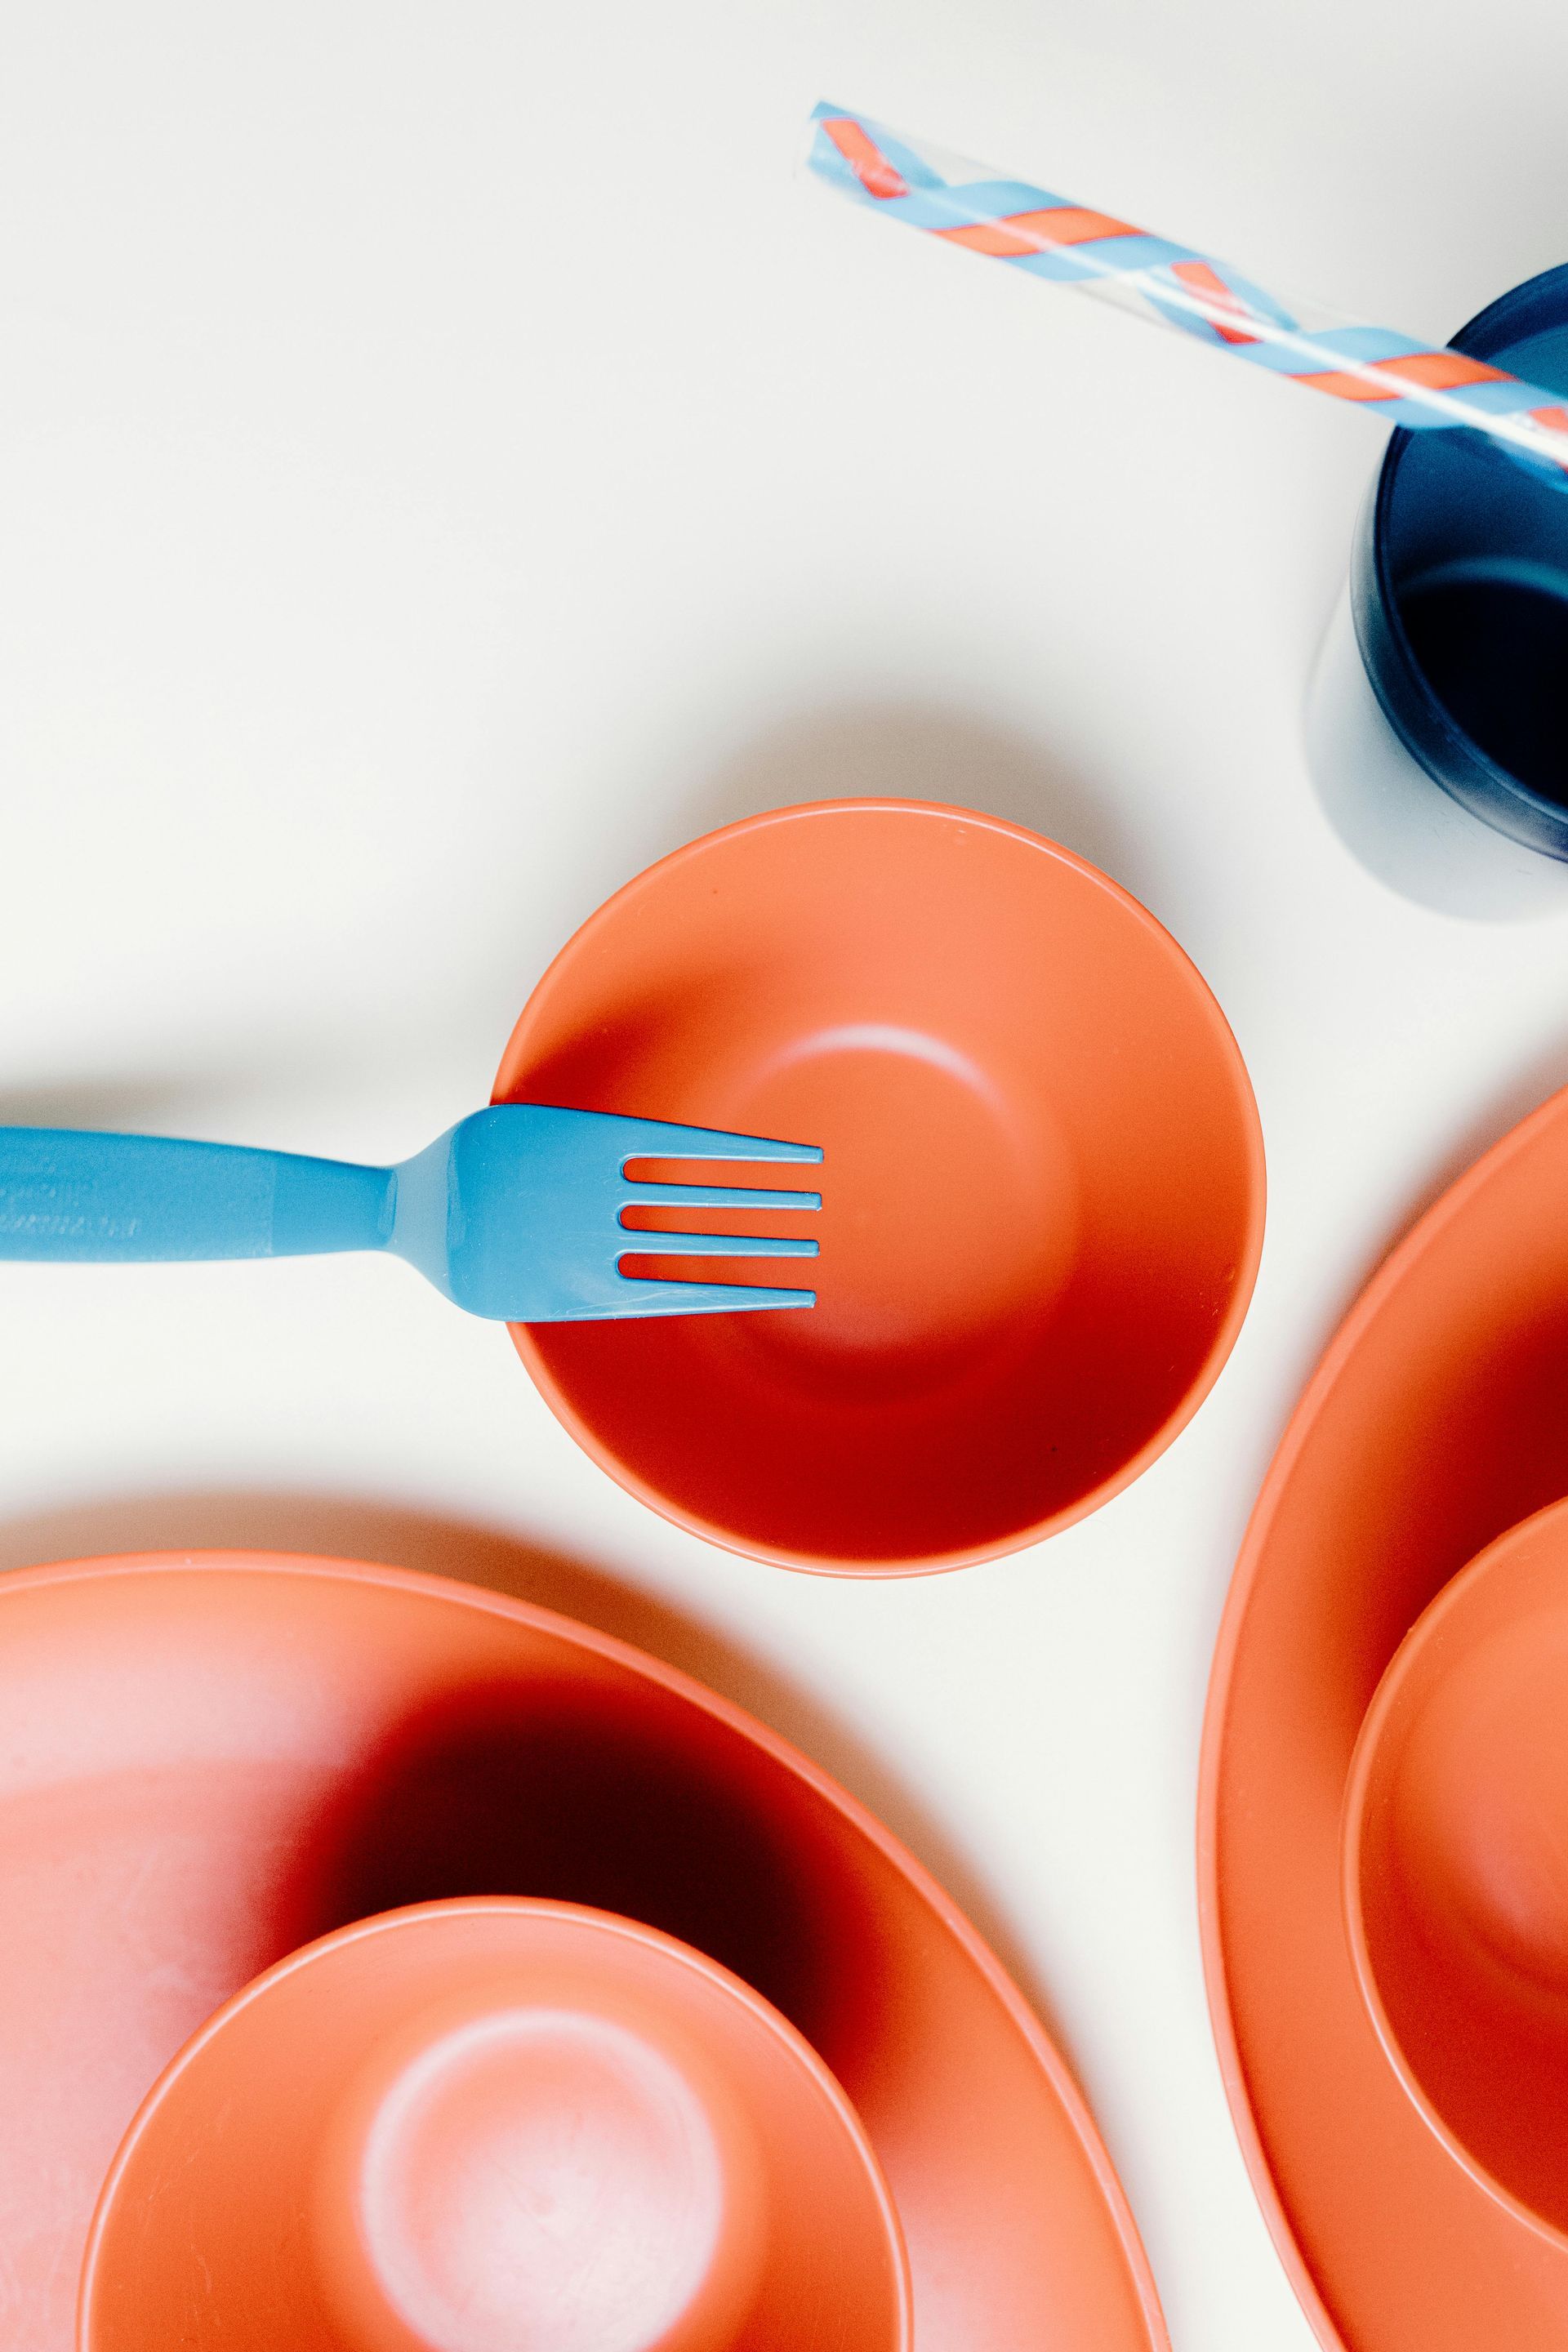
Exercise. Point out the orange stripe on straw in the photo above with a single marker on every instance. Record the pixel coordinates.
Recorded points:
(1348, 387)
(1433, 371)
(866, 161)
(1207, 282)
(1441, 370)
(1022, 233)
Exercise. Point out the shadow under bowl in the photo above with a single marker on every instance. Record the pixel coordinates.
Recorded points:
(1456, 1868)
(1042, 1190)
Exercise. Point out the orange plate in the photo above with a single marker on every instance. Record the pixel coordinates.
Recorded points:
(1042, 1196)
(1437, 1419)
(206, 1762)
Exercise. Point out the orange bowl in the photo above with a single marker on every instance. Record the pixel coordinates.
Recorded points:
(1456, 1868)
(496, 2126)
(1042, 1193)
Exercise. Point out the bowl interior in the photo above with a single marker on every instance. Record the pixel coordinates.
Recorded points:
(496, 2127)
(1457, 1866)
(1041, 1191)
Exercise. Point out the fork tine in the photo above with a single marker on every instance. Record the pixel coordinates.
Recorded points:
(648, 1297)
(638, 1242)
(715, 1196)
(656, 1138)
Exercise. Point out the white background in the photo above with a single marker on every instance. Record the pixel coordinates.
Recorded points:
(447, 457)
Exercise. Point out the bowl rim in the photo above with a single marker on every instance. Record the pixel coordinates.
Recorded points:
(1184, 972)
(1449, 1601)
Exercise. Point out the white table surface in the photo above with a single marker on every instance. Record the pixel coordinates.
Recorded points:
(448, 459)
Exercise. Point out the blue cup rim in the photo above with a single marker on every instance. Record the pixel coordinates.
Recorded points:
(1410, 702)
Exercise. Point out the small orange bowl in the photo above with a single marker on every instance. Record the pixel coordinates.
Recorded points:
(496, 2126)
(1042, 1192)
(1456, 1868)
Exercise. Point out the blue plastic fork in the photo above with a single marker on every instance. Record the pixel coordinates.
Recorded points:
(517, 1212)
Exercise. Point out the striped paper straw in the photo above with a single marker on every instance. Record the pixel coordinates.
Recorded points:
(964, 203)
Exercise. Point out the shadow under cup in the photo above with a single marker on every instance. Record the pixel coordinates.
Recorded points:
(1459, 593)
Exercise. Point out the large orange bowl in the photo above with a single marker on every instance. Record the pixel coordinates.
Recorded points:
(1042, 1193)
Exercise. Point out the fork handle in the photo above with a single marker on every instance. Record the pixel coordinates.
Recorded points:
(69, 1194)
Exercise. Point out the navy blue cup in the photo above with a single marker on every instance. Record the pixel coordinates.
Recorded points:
(1459, 594)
